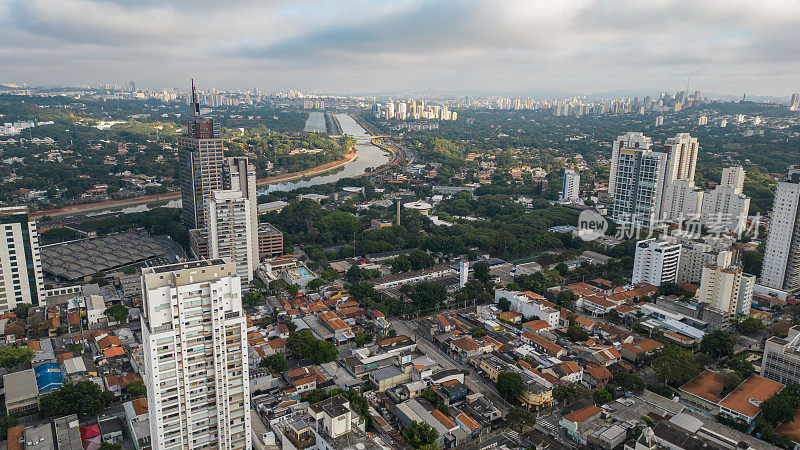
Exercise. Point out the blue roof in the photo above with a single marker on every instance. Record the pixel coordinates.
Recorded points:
(48, 377)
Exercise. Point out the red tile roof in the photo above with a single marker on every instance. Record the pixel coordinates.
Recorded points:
(582, 414)
(754, 388)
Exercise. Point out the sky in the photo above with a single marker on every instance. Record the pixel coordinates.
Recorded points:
(522, 47)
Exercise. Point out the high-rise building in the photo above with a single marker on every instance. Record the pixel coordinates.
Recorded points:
(200, 161)
(570, 189)
(21, 279)
(194, 336)
(239, 175)
(695, 255)
(627, 141)
(726, 289)
(682, 201)
(794, 105)
(725, 208)
(638, 180)
(782, 357)
(656, 262)
(682, 150)
(781, 267)
(230, 232)
(659, 121)
(270, 241)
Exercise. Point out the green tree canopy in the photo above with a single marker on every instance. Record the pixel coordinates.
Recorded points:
(510, 385)
(82, 398)
(13, 356)
(519, 420)
(419, 435)
(718, 344)
(117, 312)
(275, 362)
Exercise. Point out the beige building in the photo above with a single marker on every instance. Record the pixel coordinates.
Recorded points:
(22, 394)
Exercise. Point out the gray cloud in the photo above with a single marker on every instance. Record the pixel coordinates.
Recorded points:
(449, 45)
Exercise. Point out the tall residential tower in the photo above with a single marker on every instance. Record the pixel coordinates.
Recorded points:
(781, 268)
(21, 278)
(194, 335)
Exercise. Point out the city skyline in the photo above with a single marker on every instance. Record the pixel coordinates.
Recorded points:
(586, 47)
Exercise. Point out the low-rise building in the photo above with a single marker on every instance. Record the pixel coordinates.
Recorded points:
(22, 393)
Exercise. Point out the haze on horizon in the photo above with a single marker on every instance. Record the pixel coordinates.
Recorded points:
(361, 46)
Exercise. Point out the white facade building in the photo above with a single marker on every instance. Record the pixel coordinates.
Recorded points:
(682, 201)
(726, 289)
(697, 254)
(638, 186)
(682, 150)
(725, 208)
(570, 188)
(529, 306)
(627, 141)
(194, 335)
(781, 268)
(230, 231)
(21, 279)
(656, 262)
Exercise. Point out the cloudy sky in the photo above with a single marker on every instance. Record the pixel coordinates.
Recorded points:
(362, 46)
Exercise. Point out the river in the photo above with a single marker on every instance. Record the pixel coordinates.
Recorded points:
(315, 122)
(368, 156)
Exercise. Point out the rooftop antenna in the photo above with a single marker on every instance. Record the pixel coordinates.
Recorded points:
(195, 103)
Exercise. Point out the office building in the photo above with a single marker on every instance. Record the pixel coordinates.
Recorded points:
(781, 268)
(638, 185)
(782, 357)
(794, 104)
(200, 161)
(230, 232)
(682, 201)
(194, 337)
(21, 278)
(656, 262)
(682, 157)
(725, 208)
(570, 188)
(722, 288)
(239, 175)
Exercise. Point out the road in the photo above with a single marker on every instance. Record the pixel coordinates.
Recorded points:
(473, 381)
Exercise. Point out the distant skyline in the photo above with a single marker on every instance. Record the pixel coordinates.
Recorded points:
(523, 47)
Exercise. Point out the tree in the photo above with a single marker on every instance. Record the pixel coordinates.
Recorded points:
(675, 365)
(750, 325)
(252, 298)
(602, 396)
(429, 395)
(628, 382)
(718, 344)
(82, 398)
(135, 389)
(481, 271)
(510, 385)
(110, 446)
(21, 310)
(575, 333)
(13, 356)
(504, 304)
(419, 435)
(519, 420)
(569, 393)
(315, 284)
(7, 422)
(325, 351)
(117, 312)
(477, 332)
(562, 269)
(363, 338)
(566, 298)
(742, 366)
(426, 296)
(275, 362)
(391, 333)
(301, 343)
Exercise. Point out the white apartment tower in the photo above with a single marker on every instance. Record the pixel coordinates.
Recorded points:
(725, 208)
(656, 262)
(682, 150)
(627, 141)
(695, 255)
(794, 105)
(240, 175)
(727, 289)
(21, 279)
(638, 180)
(570, 189)
(231, 235)
(781, 268)
(195, 348)
(682, 201)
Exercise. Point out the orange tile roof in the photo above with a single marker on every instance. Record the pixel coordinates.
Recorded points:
(34, 345)
(707, 385)
(536, 325)
(277, 343)
(14, 435)
(466, 343)
(108, 341)
(327, 315)
(391, 341)
(509, 315)
(113, 351)
(569, 367)
(74, 318)
(582, 414)
(140, 406)
(62, 356)
(337, 324)
(585, 321)
(549, 345)
(648, 345)
(377, 313)
(468, 422)
(632, 349)
(754, 388)
(443, 419)
(304, 380)
(599, 373)
(623, 309)
(678, 336)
